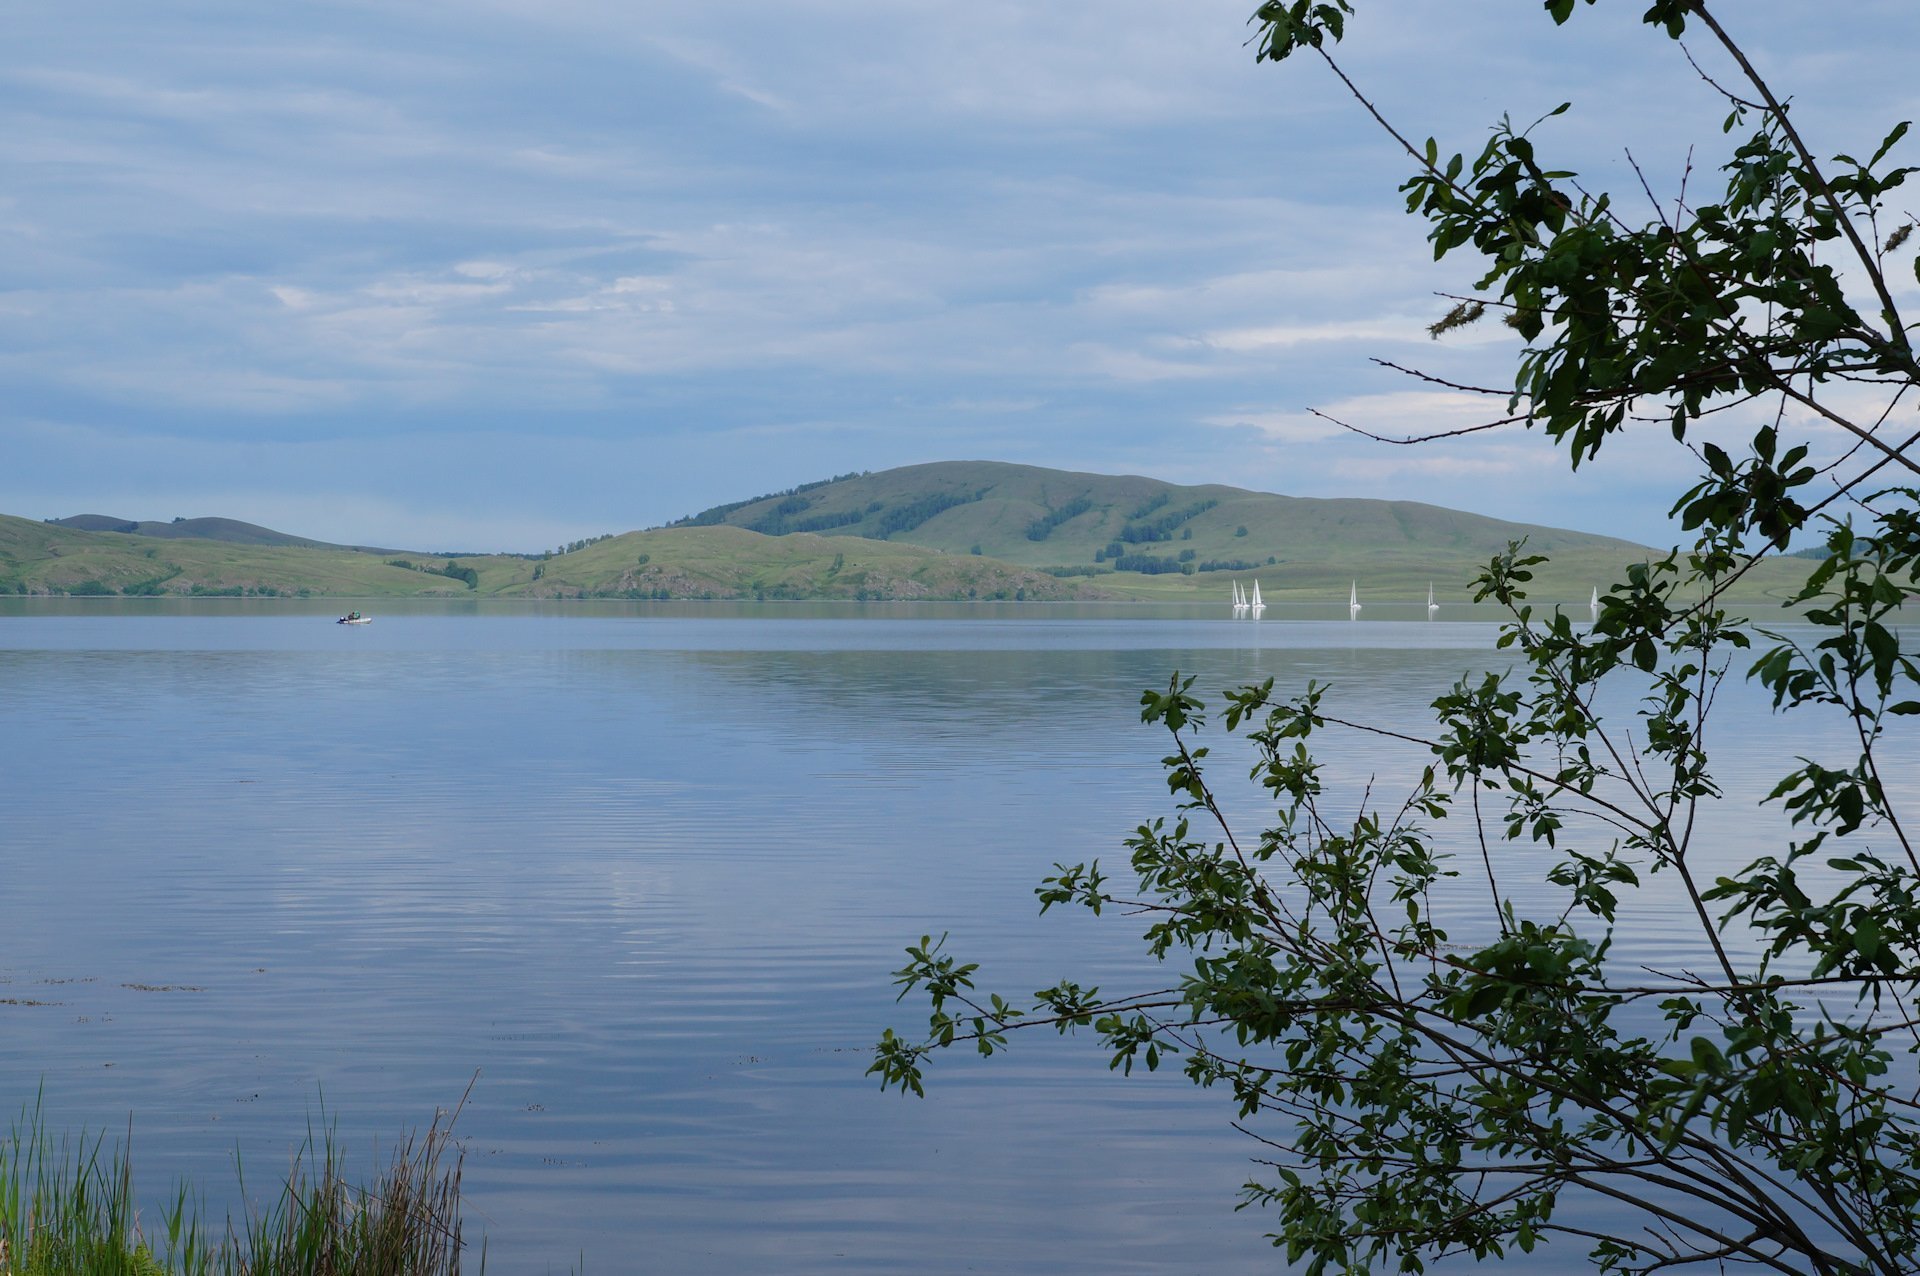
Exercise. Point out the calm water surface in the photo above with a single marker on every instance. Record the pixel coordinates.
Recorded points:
(644, 871)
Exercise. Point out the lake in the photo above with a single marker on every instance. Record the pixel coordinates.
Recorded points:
(645, 869)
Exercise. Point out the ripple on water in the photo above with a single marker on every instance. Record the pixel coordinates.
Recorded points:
(647, 877)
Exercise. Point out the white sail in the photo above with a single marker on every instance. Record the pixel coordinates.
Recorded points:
(1432, 606)
(1593, 604)
(1353, 602)
(1258, 604)
(1239, 600)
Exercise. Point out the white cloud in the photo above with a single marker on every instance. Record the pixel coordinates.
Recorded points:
(1278, 427)
(1128, 61)
(1135, 366)
(994, 406)
(1397, 414)
(1506, 463)
(1284, 336)
(727, 69)
(250, 392)
(865, 229)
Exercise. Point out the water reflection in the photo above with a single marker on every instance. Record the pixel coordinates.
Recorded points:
(646, 874)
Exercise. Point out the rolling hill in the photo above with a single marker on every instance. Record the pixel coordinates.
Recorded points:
(1142, 537)
(708, 562)
(231, 530)
(1055, 518)
(48, 558)
(1139, 537)
(949, 530)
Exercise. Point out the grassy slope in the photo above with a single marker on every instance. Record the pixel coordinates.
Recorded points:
(1567, 579)
(45, 558)
(712, 562)
(1013, 497)
(730, 562)
(206, 529)
(1392, 548)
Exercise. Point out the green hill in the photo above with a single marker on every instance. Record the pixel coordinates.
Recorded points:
(952, 530)
(47, 558)
(206, 529)
(708, 562)
(1025, 514)
(1145, 538)
(732, 562)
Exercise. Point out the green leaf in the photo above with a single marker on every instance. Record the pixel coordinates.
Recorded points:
(1707, 1056)
(1893, 138)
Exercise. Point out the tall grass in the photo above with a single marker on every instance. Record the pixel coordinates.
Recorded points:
(67, 1209)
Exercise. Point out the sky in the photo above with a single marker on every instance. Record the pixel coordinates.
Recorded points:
(500, 274)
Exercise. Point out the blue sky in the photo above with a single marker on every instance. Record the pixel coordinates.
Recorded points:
(502, 273)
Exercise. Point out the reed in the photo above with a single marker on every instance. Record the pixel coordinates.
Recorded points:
(67, 1209)
(407, 1223)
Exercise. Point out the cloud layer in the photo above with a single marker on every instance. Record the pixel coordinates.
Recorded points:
(409, 272)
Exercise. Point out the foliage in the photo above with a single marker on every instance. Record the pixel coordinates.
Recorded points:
(783, 519)
(153, 585)
(906, 517)
(718, 513)
(1430, 1079)
(67, 1209)
(1161, 528)
(1042, 527)
(1147, 564)
(1159, 500)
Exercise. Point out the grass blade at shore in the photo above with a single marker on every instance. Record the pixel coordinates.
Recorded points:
(67, 1209)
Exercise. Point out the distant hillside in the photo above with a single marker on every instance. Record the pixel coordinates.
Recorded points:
(1055, 518)
(49, 558)
(231, 530)
(707, 562)
(732, 562)
(1149, 539)
(952, 530)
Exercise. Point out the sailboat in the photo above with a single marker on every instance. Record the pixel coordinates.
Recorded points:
(1257, 606)
(1239, 600)
(1593, 604)
(1353, 602)
(1432, 606)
